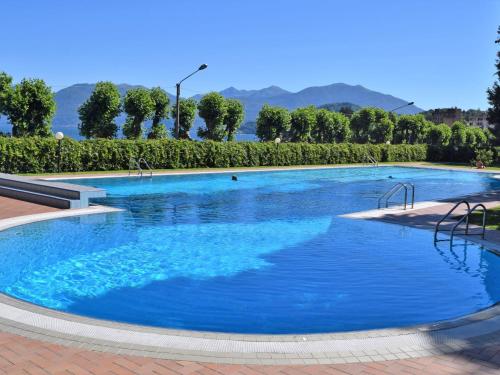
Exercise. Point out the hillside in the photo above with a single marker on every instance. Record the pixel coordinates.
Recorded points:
(69, 99)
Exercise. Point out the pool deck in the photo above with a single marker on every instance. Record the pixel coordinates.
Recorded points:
(425, 215)
(34, 340)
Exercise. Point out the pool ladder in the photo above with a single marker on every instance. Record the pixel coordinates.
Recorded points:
(396, 189)
(370, 159)
(134, 164)
(464, 218)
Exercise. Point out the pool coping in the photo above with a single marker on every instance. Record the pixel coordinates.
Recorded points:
(174, 172)
(35, 322)
(16, 316)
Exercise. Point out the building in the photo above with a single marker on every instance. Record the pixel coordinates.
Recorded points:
(472, 117)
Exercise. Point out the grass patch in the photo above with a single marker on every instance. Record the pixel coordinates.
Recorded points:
(492, 218)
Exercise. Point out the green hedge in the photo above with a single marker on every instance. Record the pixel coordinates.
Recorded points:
(461, 154)
(38, 155)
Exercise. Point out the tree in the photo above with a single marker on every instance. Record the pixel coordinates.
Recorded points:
(411, 129)
(347, 111)
(371, 125)
(331, 127)
(5, 91)
(302, 123)
(187, 114)
(382, 131)
(475, 137)
(139, 107)
(494, 96)
(30, 108)
(234, 117)
(161, 101)
(158, 132)
(272, 123)
(212, 108)
(458, 134)
(97, 115)
(439, 135)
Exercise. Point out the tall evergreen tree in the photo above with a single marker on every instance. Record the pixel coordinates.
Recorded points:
(272, 123)
(234, 117)
(212, 108)
(97, 115)
(139, 107)
(5, 91)
(30, 108)
(494, 96)
(161, 102)
(187, 110)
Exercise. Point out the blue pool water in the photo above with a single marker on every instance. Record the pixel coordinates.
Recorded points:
(266, 254)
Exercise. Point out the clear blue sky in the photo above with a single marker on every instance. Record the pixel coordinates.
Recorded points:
(435, 52)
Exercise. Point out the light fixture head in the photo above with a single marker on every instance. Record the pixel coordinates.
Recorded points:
(59, 135)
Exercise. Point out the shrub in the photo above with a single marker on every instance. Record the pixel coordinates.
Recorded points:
(486, 156)
(38, 155)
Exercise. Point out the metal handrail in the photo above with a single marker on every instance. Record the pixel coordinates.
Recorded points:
(142, 160)
(466, 219)
(371, 159)
(134, 164)
(396, 189)
(399, 184)
(436, 228)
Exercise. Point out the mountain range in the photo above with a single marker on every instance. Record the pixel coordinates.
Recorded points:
(70, 98)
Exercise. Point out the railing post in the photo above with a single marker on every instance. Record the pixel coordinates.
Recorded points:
(406, 196)
(412, 196)
(484, 223)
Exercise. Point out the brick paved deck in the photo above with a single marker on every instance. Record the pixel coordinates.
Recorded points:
(13, 207)
(19, 355)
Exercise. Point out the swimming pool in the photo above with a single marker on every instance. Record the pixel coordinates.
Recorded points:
(266, 254)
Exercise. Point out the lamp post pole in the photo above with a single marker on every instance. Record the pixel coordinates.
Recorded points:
(177, 101)
(402, 106)
(177, 110)
(59, 136)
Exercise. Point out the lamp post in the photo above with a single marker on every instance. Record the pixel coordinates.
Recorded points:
(177, 104)
(402, 106)
(277, 142)
(59, 136)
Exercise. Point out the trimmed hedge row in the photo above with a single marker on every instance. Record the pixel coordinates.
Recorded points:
(38, 155)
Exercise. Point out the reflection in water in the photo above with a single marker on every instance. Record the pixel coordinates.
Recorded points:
(464, 256)
(268, 254)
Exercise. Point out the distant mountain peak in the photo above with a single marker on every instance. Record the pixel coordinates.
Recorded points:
(233, 92)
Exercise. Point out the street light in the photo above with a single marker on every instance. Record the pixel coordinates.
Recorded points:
(59, 137)
(402, 106)
(177, 104)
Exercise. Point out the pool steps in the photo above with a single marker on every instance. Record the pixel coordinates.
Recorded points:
(396, 189)
(462, 219)
(49, 193)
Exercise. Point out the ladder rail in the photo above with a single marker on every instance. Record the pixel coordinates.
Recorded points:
(436, 228)
(371, 159)
(142, 160)
(466, 219)
(134, 164)
(388, 192)
(396, 189)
